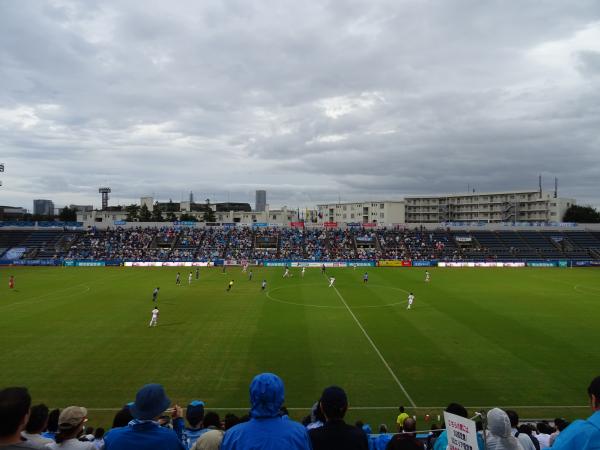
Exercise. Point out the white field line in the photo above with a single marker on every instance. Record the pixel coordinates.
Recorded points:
(413, 404)
(367, 408)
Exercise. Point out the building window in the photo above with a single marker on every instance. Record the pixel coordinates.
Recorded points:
(274, 217)
(352, 216)
(381, 206)
(381, 215)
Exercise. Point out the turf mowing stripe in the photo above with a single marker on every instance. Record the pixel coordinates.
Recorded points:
(413, 404)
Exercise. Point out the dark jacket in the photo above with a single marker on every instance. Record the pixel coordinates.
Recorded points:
(404, 441)
(336, 434)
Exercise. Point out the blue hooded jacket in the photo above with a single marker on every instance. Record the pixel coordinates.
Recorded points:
(580, 435)
(266, 430)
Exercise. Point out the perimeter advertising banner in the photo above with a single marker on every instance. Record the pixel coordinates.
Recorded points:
(167, 264)
(481, 264)
(393, 263)
(319, 263)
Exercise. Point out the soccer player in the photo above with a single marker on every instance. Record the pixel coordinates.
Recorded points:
(230, 285)
(250, 275)
(427, 276)
(154, 320)
(11, 282)
(155, 294)
(286, 273)
(178, 279)
(411, 299)
(190, 278)
(197, 273)
(323, 269)
(331, 281)
(303, 270)
(263, 285)
(365, 277)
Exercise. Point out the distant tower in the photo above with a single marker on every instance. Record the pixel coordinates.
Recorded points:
(261, 201)
(191, 197)
(104, 191)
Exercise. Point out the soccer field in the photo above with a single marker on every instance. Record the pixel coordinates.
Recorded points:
(482, 337)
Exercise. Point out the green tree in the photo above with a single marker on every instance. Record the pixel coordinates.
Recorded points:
(67, 214)
(145, 215)
(171, 217)
(581, 214)
(132, 212)
(209, 214)
(156, 213)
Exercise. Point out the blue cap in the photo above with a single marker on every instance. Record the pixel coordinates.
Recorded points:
(150, 401)
(195, 412)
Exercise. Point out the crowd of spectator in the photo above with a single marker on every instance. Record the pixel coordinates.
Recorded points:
(248, 243)
(152, 422)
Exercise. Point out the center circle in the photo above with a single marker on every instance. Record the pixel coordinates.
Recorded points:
(340, 306)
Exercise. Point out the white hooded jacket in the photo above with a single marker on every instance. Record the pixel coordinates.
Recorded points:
(499, 435)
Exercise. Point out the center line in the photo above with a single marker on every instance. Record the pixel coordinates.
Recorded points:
(376, 349)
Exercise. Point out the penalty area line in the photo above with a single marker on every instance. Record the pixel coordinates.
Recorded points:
(385, 363)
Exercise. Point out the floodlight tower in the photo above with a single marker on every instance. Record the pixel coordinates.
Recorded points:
(1, 170)
(104, 191)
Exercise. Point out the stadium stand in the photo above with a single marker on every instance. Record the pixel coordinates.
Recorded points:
(246, 243)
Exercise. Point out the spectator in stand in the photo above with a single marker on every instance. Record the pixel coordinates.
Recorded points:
(194, 415)
(98, 438)
(38, 422)
(144, 432)
(583, 434)
(70, 427)
(525, 441)
(380, 442)
(406, 439)
(336, 434)
(266, 429)
(52, 427)
(543, 434)
(317, 419)
(401, 418)
(442, 441)
(122, 417)
(14, 415)
(213, 436)
(528, 429)
(560, 424)
(499, 435)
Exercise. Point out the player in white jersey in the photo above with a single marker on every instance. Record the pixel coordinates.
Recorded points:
(286, 274)
(154, 320)
(411, 299)
(427, 276)
(303, 270)
(331, 281)
(190, 278)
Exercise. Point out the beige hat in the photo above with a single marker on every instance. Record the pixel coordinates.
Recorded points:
(71, 417)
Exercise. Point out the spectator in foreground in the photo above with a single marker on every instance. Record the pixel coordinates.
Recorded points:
(266, 429)
(380, 442)
(525, 440)
(213, 436)
(499, 435)
(406, 440)
(194, 415)
(144, 432)
(122, 417)
(336, 434)
(52, 427)
(442, 441)
(583, 434)
(38, 421)
(14, 414)
(70, 426)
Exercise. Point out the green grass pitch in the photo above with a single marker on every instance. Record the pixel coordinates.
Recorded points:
(482, 337)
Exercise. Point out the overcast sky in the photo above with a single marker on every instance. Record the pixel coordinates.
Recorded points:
(308, 100)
